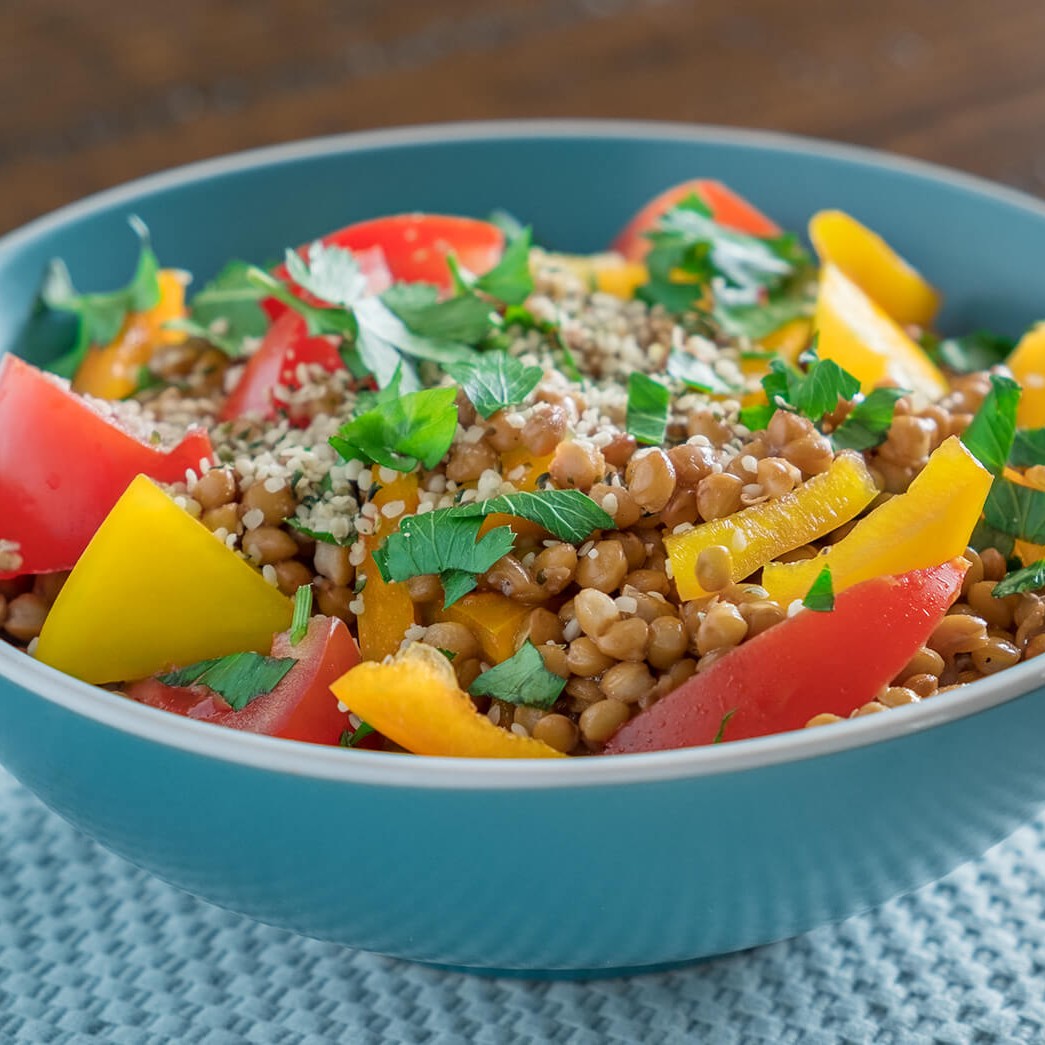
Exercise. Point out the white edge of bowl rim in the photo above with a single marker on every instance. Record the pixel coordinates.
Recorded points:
(380, 769)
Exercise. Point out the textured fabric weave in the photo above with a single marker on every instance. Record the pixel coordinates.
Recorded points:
(92, 949)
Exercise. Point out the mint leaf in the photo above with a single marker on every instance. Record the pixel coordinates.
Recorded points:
(721, 734)
(521, 679)
(227, 309)
(398, 431)
(695, 373)
(494, 380)
(989, 438)
(821, 596)
(510, 280)
(302, 613)
(1028, 448)
(867, 424)
(100, 316)
(465, 318)
(648, 407)
(1030, 578)
(239, 678)
(979, 350)
(568, 514)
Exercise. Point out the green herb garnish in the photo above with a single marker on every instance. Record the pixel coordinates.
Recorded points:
(352, 738)
(989, 438)
(1028, 448)
(821, 596)
(567, 514)
(302, 613)
(867, 424)
(226, 310)
(521, 679)
(1030, 578)
(1016, 510)
(510, 281)
(720, 735)
(100, 316)
(813, 393)
(495, 380)
(238, 678)
(648, 407)
(465, 319)
(979, 350)
(398, 431)
(695, 373)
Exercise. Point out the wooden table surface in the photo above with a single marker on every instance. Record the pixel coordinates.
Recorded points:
(97, 93)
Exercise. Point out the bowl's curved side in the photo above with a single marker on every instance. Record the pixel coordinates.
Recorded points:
(595, 878)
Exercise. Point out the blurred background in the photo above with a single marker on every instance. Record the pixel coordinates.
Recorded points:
(97, 93)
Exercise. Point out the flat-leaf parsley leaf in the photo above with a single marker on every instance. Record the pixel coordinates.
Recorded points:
(521, 679)
(648, 408)
(239, 678)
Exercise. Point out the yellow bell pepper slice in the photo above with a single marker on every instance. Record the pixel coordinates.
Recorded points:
(1027, 363)
(414, 700)
(929, 524)
(608, 273)
(874, 267)
(859, 336)
(388, 610)
(760, 533)
(155, 589)
(494, 619)
(111, 371)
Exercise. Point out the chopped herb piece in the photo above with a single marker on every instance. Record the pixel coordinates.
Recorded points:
(332, 274)
(450, 654)
(100, 316)
(794, 300)
(520, 316)
(1016, 510)
(238, 678)
(868, 422)
(465, 318)
(446, 544)
(352, 738)
(1030, 578)
(494, 380)
(813, 393)
(1028, 448)
(720, 735)
(568, 514)
(695, 373)
(521, 679)
(507, 222)
(648, 408)
(320, 535)
(984, 536)
(302, 613)
(227, 309)
(398, 431)
(821, 596)
(990, 436)
(977, 351)
(756, 418)
(510, 279)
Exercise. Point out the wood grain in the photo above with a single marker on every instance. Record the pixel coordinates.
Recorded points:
(99, 93)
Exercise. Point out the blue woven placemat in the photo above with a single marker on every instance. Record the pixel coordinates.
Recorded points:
(92, 949)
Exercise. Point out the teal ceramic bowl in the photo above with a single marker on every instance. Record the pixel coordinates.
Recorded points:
(593, 865)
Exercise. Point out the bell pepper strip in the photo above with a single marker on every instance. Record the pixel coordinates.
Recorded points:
(874, 267)
(727, 208)
(153, 589)
(414, 700)
(273, 367)
(931, 522)
(388, 610)
(112, 371)
(802, 666)
(64, 463)
(760, 533)
(860, 337)
(301, 707)
(1027, 363)
(494, 619)
(607, 273)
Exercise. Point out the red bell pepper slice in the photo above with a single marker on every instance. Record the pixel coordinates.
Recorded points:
(301, 707)
(274, 366)
(727, 208)
(64, 464)
(808, 664)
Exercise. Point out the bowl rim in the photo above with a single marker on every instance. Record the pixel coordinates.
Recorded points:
(300, 759)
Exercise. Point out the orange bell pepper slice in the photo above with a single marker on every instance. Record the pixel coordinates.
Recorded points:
(1027, 363)
(414, 700)
(494, 619)
(929, 524)
(760, 533)
(111, 371)
(388, 610)
(874, 267)
(860, 337)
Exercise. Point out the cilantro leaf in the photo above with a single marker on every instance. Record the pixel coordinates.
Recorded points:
(1016, 510)
(378, 323)
(330, 273)
(648, 407)
(868, 422)
(510, 280)
(979, 350)
(1028, 448)
(398, 431)
(494, 380)
(445, 544)
(568, 514)
(990, 436)
(721, 734)
(227, 309)
(465, 318)
(695, 373)
(239, 678)
(521, 679)
(100, 316)
(813, 393)
(1030, 578)
(821, 596)
(302, 613)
